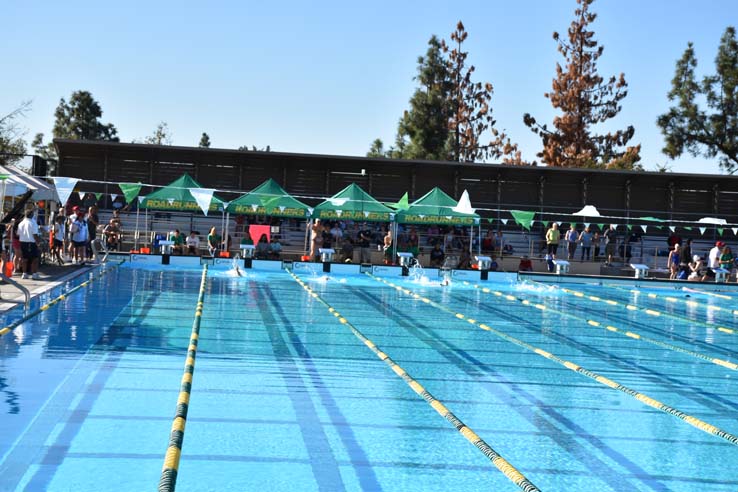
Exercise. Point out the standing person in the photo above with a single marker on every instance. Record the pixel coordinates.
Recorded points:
(685, 255)
(316, 239)
(79, 231)
(586, 239)
(213, 241)
(15, 245)
(93, 220)
(611, 238)
(713, 260)
(29, 239)
(60, 233)
(365, 237)
(726, 259)
(552, 239)
(673, 261)
(572, 237)
(597, 242)
(388, 247)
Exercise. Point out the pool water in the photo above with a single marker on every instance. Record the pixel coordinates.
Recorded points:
(286, 397)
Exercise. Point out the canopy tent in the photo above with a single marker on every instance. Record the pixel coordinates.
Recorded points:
(178, 196)
(17, 183)
(269, 199)
(353, 203)
(435, 207)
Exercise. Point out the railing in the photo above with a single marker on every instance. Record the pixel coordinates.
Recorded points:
(26, 293)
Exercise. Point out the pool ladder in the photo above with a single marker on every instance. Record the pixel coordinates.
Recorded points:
(26, 292)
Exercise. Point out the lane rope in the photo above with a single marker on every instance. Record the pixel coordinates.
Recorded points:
(101, 272)
(641, 397)
(168, 480)
(497, 460)
(648, 311)
(672, 299)
(620, 331)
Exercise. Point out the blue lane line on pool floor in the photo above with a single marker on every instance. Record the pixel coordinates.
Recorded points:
(473, 367)
(367, 478)
(323, 463)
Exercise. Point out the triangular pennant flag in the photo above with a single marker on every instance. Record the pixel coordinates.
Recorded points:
(64, 188)
(170, 201)
(644, 227)
(141, 198)
(672, 228)
(720, 230)
(419, 215)
(339, 212)
(558, 223)
(586, 224)
(81, 195)
(310, 211)
(113, 196)
(448, 217)
(545, 223)
(254, 207)
(98, 196)
(702, 230)
(203, 197)
(523, 218)
(659, 227)
(629, 227)
(130, 191)
(366, 213)
(601, 226)
(735, 231)
(464, 204)
(490, 220)
(504, 221)
(615, 226)
(687, 228)
(281, 208)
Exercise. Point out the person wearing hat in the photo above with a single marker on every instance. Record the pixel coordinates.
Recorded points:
(696, 269)
(79, 232)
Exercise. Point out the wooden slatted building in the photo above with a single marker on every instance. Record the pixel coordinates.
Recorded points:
(491, 186)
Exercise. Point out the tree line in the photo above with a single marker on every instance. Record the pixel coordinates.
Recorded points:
(450, 113)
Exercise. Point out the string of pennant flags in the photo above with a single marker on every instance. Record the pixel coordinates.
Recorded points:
(65, 186)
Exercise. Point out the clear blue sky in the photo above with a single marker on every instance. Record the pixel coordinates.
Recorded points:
(329, 77)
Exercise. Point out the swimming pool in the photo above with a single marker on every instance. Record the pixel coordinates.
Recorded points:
(285, 396)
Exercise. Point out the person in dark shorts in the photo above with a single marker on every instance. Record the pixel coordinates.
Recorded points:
(552, 239)
(29, 239)
(610, 240)
(365, 237)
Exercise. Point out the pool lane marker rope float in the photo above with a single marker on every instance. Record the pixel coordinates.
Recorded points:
(497, 460)
(672, 299)
(650, 312)
(168, 479)
(627, 333)
(641, 397)
(16, 323)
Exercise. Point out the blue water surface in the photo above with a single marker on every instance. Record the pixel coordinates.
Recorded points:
(286, 397)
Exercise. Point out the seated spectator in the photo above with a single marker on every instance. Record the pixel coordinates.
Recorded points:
(214, 240)
(525, 264)
(347, 250)
(262, 247)
(179, 240)
(464, 260)
(437, 255)
(696, 269)
(275, 248)
(193, 243)
(112, 235)
(493, 266)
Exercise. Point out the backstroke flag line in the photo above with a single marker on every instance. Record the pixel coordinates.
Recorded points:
(64, 188)
(203, 197)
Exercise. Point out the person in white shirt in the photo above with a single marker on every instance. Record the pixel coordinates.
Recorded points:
(713, 260)
(79, 233)
(29, 239)
(193, 243)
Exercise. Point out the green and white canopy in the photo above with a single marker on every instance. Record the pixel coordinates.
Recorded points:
(183, 195)
(269, 199)
(436, 207)
(353, 203)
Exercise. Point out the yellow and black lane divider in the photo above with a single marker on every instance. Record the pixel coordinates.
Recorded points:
(675, 300)
(168, 479)
(642, 397)
(497, 460)
(628, 333)
(56, 300)
(712, 294)
(650, 312)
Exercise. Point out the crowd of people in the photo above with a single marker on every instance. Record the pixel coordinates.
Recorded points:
(685, 264)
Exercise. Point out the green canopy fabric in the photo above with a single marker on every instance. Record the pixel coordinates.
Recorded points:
(435, 207)
(403, 204)
(353, 203)
(176, 196)
(269, 199)
(650, 219)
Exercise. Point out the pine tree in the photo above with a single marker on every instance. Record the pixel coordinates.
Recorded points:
(12, 144)
(377, 149)
(423, 129)
(204, 141)
(80, 119)
(162, 135)
(470, 114)
(688, 128)
(585, 100)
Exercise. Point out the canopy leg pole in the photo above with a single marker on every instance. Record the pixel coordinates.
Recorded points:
(227, 228)
(308, 227)
(135, 234)
(394, 243)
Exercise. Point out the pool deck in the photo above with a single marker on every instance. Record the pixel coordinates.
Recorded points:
(51, 276)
